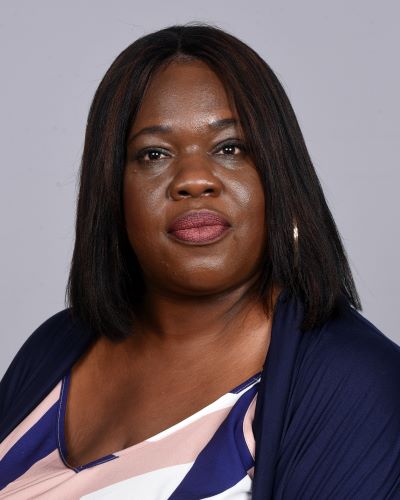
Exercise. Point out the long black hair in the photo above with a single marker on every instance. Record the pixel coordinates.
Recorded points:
(304, 253)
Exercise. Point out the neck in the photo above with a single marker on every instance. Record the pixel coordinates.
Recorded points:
(196, 323)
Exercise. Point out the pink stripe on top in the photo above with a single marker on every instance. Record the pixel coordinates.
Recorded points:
(30, 420)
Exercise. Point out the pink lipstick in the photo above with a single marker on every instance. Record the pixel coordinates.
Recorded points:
(199, 226)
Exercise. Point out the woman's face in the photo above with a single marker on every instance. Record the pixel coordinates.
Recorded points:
(182, 158)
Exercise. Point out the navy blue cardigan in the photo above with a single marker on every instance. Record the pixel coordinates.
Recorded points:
(327, 420)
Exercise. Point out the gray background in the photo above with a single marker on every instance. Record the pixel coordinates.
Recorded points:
(338, 62)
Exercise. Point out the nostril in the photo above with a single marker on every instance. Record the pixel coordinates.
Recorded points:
(183, 192)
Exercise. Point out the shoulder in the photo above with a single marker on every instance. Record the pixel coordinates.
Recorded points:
(350, 346)
(349, 360)
(45, 335)
(46, 354)
(342, 426)
(49, 338)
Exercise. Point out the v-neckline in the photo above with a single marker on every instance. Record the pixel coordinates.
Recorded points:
(62, 406)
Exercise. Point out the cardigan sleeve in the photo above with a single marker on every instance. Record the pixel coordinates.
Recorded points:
(341, 434)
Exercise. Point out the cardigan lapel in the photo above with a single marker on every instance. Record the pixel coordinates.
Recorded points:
(274, 392)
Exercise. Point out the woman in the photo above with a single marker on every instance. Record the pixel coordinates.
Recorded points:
(212, 348)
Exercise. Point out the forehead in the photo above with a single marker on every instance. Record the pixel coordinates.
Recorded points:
(187, 91)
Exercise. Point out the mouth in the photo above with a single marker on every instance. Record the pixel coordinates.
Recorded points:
(202, 234)
(199, 227)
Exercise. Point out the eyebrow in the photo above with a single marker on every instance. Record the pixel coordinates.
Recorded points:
(154, 129)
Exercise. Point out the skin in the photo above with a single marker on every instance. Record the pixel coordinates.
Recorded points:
(199, 329)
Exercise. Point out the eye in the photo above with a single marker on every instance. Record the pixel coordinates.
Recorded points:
(231, 148)
(149, 155)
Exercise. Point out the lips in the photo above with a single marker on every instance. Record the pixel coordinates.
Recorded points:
(199, 226)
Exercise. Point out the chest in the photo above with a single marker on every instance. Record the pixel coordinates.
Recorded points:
(101, 419)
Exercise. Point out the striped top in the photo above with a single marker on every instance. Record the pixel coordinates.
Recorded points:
(207, 455)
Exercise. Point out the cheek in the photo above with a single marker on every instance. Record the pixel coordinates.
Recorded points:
(135, 210)
(143, 211)
(251, 200)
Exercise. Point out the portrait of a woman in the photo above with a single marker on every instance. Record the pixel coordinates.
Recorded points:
(212, 346)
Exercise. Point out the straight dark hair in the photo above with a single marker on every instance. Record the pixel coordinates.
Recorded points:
(304, 254)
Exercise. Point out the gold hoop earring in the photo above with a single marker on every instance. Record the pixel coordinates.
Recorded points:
(296, 243)
(295, 233)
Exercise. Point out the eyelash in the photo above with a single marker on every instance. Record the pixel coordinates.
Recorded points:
(229, 143)
(232, 143)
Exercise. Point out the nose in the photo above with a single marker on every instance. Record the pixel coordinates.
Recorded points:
(194, 178)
